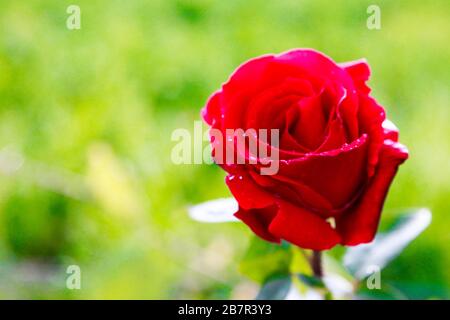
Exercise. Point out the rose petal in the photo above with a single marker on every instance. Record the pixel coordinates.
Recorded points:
(293, 190)
(303, 228)
(390, 130)
(314, 63)
(248, 194)
(309, 129)
(359, 70)
(211, 112)
(330, 174)
(288, 140)
(335, 137)
(360, 224)
(259, 220)
(236, 93)
(273, 102)
(370, 117)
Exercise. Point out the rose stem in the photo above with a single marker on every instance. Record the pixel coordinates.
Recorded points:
(316, 263)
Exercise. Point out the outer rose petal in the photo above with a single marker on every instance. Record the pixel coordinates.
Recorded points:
(247, 193)
(223, 106)
(371, 116)
(390, 130)
(259, 220)
(360, 224)
(211, 112)
(315, 64)
(303, 228)
(337, 175)
(360, 72)
(248, 75)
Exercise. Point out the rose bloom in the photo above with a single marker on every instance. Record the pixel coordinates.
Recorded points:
(337, 152)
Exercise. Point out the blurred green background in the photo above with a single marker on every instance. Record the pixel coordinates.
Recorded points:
(86, 118)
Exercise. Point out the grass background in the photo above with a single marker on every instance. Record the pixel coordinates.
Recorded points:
(86, 118)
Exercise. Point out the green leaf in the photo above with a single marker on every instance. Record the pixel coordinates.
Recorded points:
(307, 287)
(311, 281)
(214, 211)
(362, 259)
(386, 292)
(264, 260)
(275, 289)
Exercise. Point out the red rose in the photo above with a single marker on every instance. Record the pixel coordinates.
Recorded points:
(337, 152)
